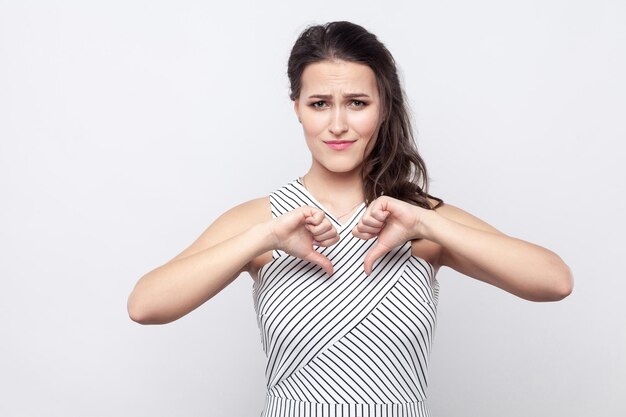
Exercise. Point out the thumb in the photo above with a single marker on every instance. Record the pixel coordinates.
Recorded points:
(321, 260)
(373, 254)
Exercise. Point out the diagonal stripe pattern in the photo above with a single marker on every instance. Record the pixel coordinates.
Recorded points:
(345, 345)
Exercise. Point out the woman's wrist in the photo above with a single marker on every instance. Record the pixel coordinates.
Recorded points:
(264, 234)
(426, 225)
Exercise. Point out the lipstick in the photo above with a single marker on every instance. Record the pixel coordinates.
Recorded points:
(339, 145)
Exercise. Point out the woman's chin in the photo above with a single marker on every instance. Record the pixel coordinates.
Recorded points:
(342, 167)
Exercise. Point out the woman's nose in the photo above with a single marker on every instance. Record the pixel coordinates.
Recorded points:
(338, 122)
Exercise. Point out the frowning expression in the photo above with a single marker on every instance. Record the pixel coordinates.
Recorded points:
(339, 108)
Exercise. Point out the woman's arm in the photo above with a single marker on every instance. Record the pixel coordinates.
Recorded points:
(476, 249)
(214, 260)
(225, 250)
(469, 246)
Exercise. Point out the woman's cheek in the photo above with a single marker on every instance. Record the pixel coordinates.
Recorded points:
(366, 122)
(314, 126)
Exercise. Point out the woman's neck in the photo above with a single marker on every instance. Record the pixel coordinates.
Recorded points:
(338, 191)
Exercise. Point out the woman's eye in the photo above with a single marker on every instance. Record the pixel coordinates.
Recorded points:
(321, 104)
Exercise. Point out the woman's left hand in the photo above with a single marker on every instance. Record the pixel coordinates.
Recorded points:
(393, 221)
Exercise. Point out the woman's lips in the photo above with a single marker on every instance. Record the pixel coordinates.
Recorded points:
(339, 144)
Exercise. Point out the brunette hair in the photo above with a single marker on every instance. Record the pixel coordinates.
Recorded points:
(393, 167)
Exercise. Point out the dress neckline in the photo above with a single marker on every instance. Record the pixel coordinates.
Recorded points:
(357, 210)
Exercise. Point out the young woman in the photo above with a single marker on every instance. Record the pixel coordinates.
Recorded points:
(344, 257)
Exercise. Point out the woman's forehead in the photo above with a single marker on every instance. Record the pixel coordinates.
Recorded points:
(328, 77)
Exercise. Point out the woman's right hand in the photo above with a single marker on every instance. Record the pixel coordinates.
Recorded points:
(296, 231)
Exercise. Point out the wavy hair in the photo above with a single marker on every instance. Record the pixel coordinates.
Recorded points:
(393, 167)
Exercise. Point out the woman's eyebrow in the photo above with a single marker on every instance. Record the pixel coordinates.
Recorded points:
(328, 96)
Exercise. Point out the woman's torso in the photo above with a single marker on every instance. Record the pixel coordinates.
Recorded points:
(347, 344)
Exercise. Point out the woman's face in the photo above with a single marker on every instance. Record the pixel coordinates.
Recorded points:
(339, 109)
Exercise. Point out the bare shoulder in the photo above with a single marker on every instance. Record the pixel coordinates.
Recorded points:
(230, 223)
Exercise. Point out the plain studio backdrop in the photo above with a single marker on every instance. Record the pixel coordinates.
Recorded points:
(127, 127)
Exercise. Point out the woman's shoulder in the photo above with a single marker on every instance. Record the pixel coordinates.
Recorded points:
(230, 223)
(244, 215)
(255, 208)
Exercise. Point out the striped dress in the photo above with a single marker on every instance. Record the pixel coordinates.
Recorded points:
(345, 345)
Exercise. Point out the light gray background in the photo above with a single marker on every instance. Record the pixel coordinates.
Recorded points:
(127, 127)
